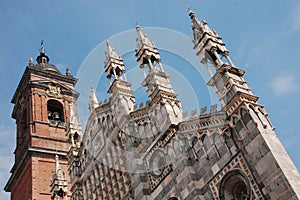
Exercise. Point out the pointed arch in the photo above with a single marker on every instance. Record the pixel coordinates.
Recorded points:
(76, 137)
(192, 148)
(243, 111)
(205, 141)
(245, 116)
(216, 137)
(206, 144)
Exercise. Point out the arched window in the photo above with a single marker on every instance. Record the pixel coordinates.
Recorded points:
(205, 141)
(235, 185)
(205, 145)
(177, 147)
(194, 141)
(76, 137)
(238, 124)
(245, 116)
(192, 149)
(55, 110)
(235, 120)
(216, 137)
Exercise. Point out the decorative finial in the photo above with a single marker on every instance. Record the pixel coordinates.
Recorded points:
(56, 163)
(107, 42)
(193, 112)
(31, 62)
(203, 110)
(137, 26)
(191, 13)
(94, 103)
(68, 72)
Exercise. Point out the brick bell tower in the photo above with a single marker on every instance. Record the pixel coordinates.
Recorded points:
(42, 105)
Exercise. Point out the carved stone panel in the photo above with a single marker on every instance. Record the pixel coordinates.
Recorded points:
(54, 90)
(235, 181)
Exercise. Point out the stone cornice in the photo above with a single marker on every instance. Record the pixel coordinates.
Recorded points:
(33, 70)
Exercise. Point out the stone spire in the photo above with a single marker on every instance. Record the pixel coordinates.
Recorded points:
(59, 182)
(42, 58)
(93, 100)
(213, 54)
(248, 121)
(114, 65)
(157, 82)
(146, 53)
(121, 98)
(200, 27)
(142, 39)
(74, 129)
(209, 46)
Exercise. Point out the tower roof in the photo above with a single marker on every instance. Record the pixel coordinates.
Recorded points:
(43, 61)
(199, 27)
(110, 52)
(114, 65)
(93, 100)
(145, 48)
(48, 67)
(142, 39)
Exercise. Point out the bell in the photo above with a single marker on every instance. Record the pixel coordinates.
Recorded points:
(49, 114)
(56, 116)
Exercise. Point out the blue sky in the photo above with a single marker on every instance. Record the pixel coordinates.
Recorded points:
(263, 38)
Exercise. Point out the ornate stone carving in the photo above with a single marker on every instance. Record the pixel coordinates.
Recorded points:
(156, 160)
(246, 186)
(54, 91)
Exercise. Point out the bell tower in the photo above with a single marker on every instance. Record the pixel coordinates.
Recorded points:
(42, 105)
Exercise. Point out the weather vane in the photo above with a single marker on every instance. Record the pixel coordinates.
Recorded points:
(42, 49)
(189, 9)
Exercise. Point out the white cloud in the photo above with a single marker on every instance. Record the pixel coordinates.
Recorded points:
(284, 84)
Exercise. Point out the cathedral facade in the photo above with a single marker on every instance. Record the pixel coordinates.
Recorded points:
(155, 152)
(152, 151)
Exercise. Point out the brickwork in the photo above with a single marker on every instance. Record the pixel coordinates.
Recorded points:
(41, 110)
(24, 183)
